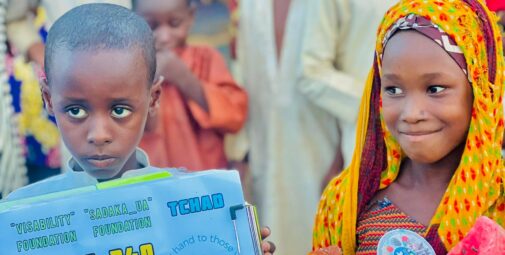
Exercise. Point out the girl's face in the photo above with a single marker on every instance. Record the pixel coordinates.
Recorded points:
(426, 97)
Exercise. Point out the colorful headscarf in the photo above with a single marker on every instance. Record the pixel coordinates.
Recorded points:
(430, 30)
(477, 186)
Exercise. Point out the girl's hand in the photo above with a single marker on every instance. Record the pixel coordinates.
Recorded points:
(267, 246)
(332, 250)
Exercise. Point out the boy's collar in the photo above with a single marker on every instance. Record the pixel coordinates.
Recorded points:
(140, 155)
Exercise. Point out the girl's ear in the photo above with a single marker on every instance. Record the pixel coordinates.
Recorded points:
(46, 96)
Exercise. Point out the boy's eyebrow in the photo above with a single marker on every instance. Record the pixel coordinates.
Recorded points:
(121, 101)
(75, 100)
(82, 101)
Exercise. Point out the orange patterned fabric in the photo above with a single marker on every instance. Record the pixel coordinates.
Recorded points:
(477, 186)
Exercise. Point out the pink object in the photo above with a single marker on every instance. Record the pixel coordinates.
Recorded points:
(486, 237)
(496, 5)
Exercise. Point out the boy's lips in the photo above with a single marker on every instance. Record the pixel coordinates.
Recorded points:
(101, 161)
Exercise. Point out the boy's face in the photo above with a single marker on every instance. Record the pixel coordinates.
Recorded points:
(170, 20)
(101, 101)
(426, 98)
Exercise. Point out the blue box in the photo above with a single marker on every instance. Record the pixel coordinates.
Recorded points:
(152, 214)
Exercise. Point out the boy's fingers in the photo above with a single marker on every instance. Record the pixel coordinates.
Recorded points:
(272, 247)
(265, 246)
(265, 232)
(268, 247)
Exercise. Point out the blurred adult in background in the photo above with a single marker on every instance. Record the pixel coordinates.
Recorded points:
(289, 137)
(12, 163)
(25, 35)
(338, 50)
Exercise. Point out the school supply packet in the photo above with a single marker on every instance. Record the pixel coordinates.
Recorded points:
(160, 213)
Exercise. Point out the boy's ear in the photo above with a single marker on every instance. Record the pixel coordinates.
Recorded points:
(192, 9)
(155, 93)
(46, 96)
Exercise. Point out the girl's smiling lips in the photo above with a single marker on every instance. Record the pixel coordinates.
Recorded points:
(416, 136)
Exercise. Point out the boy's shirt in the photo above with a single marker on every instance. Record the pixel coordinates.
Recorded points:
(72, 179)
(184, 134)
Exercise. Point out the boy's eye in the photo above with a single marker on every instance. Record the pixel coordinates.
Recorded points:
(152, 24)
(77, 113)
(175, 22)
(393, 91)
(120, 112)
(435, 89)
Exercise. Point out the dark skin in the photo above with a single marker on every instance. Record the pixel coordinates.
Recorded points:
(281, 11)
(171, 22)
(331, 250)
(427, 102)
(100, 111)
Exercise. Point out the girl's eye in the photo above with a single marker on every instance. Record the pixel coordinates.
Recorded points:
(120, 112)
(435, 89)
(393, 91)
(77, 113)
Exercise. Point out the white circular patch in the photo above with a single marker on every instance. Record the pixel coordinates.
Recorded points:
(403, 242)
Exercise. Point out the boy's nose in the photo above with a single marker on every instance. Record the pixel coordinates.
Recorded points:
(413, 110)
(99, 134)
(163, 36)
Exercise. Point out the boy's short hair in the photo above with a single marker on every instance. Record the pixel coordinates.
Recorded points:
(99, 26)
(135, 3)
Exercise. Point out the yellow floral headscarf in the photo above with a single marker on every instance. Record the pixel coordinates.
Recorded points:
(477, 186)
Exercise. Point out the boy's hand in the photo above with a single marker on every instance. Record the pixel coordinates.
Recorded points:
(267, 247)
(171, 67)
(177, 73)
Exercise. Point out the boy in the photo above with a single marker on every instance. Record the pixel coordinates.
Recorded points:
(100, 65)
(200, 102)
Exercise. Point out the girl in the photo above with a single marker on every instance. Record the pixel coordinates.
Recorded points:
(427, 155)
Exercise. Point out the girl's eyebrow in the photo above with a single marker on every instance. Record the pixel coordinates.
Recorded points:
(426, 76)
(391, 76)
